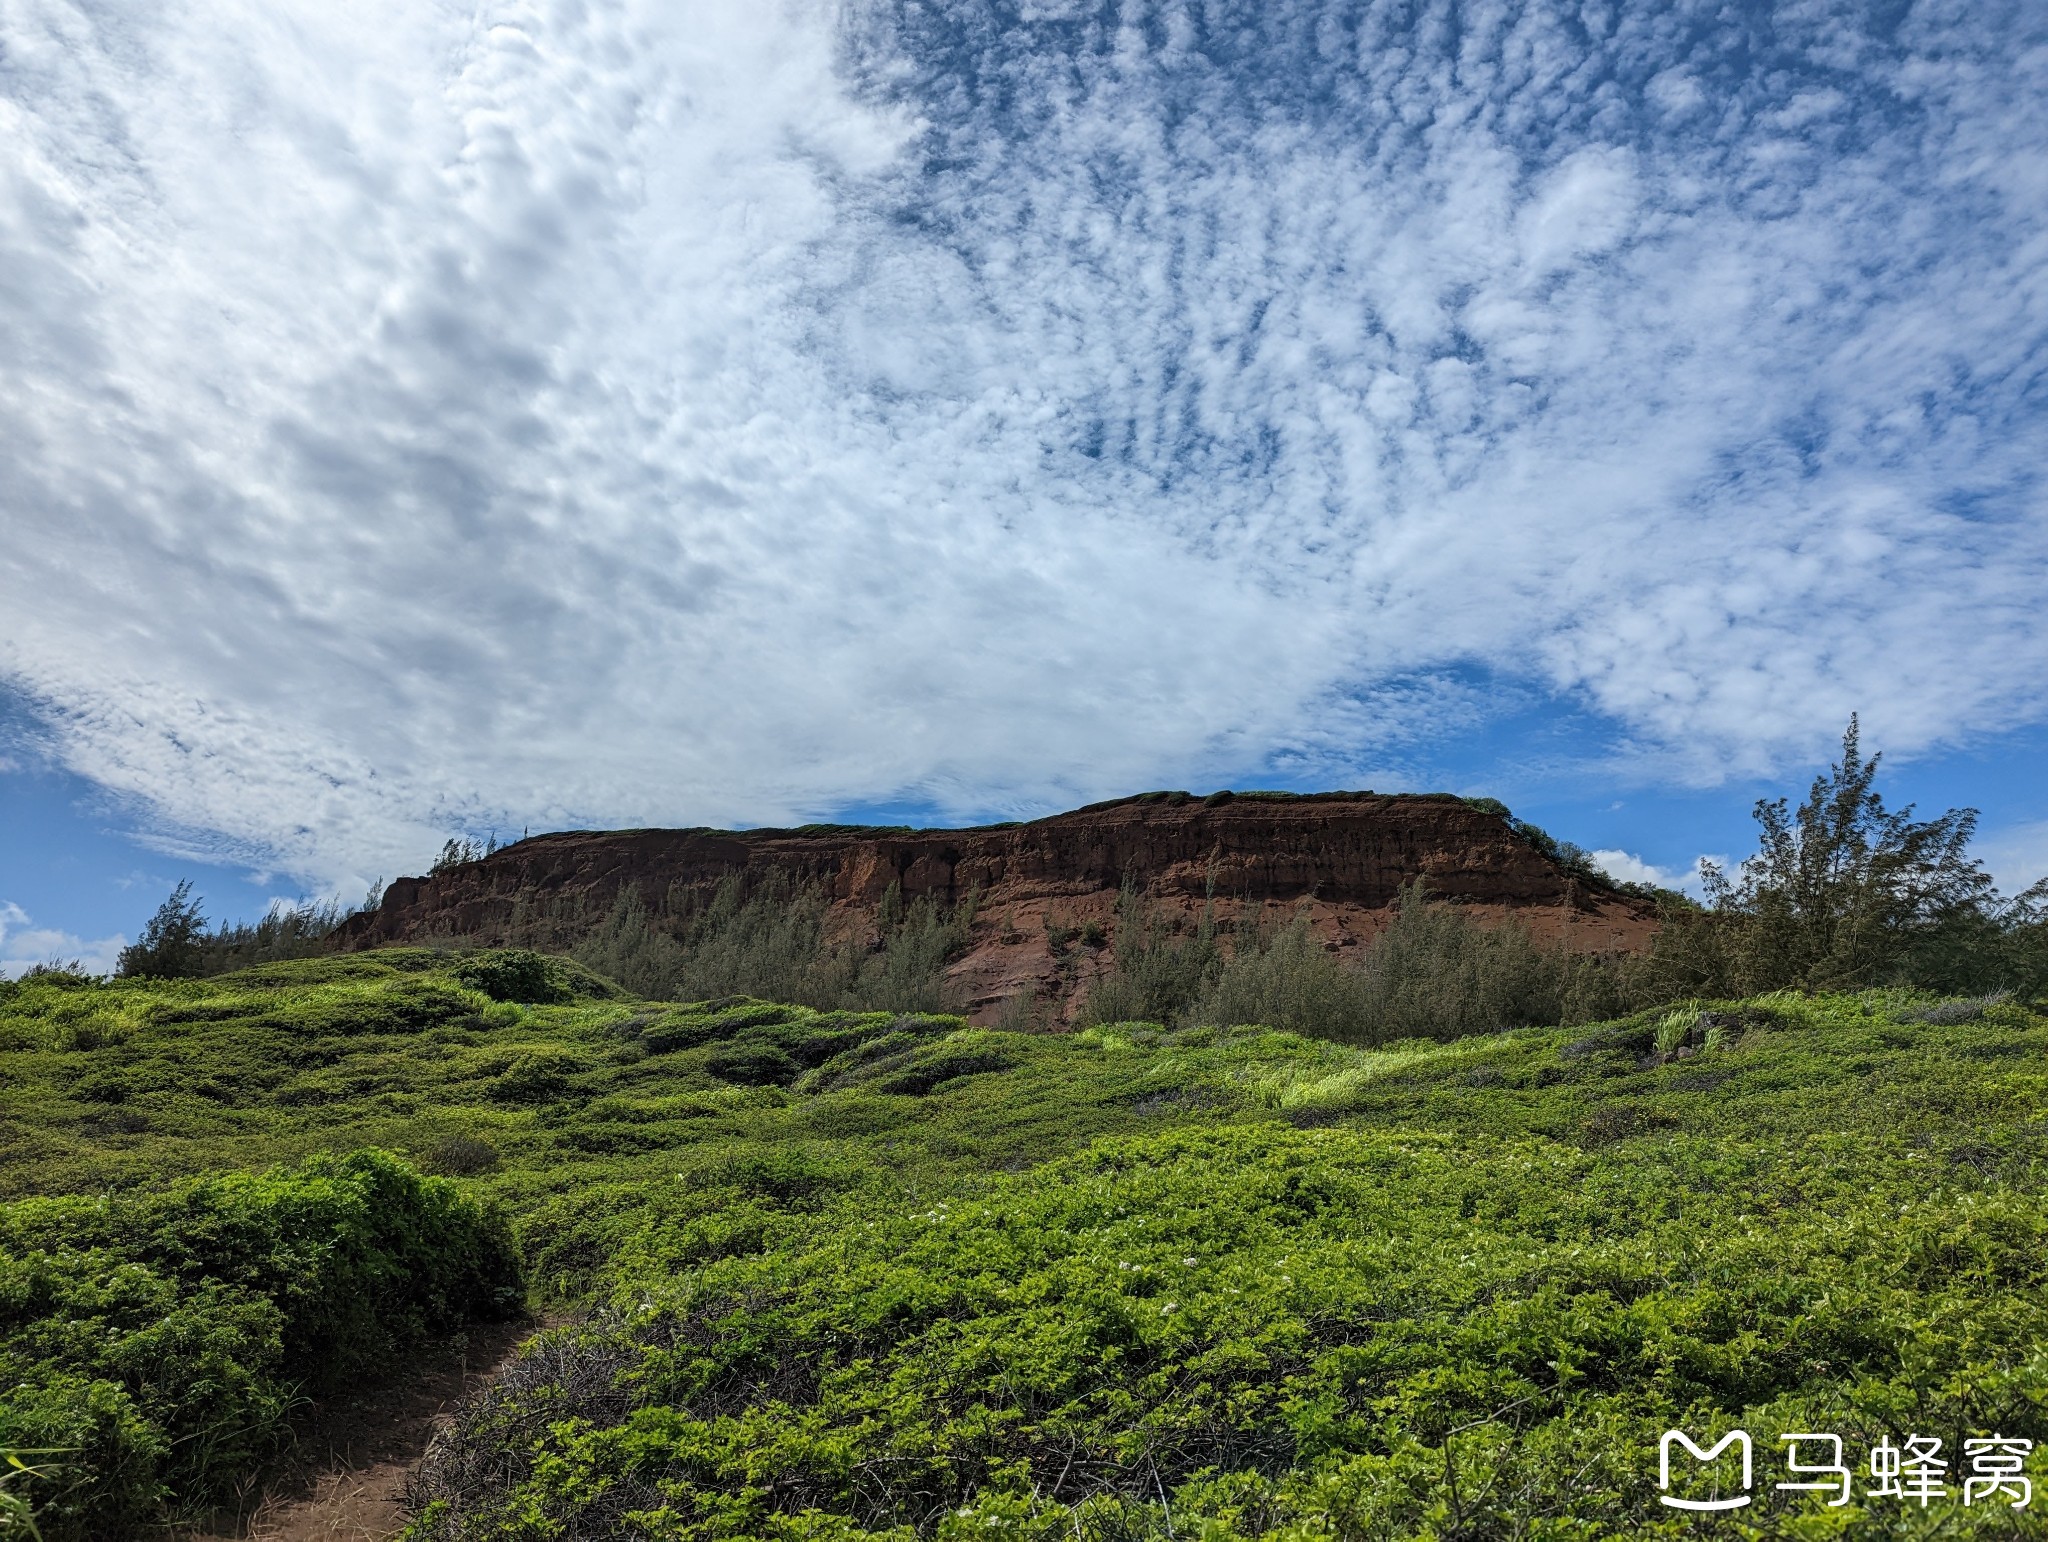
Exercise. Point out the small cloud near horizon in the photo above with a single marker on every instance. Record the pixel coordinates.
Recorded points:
(2017, 856)
(23, 945)
(1628, 868)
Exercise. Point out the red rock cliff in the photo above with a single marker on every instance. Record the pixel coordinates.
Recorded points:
(1344, 855)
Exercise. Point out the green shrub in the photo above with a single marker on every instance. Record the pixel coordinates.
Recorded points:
(770, 941)
(461, 1156)
(176, 943)
(1161, 970)
(171, 940)
(1433, 972)
(538, 1076)
(1968, 1009)
(751, 1063)
(926, 1073)
(1424, 1274)
(730, 1018)
(1286, 979)
(162, 1339)
(513, 974)
(774, 1174)
(1267, 1333)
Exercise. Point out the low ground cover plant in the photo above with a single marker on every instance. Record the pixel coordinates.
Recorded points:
(848, 1273)
(154, 1343)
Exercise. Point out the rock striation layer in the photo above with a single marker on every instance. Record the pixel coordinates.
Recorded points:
(1344, 856)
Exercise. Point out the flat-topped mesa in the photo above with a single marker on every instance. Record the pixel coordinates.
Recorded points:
(1345, 856)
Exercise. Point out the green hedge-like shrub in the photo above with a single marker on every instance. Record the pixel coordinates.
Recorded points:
(536, 979)
(513, 974)
(159, 1342)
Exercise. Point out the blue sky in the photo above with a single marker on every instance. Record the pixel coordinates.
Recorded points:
(434, 418)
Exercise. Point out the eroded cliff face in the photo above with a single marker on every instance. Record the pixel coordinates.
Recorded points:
(1343, 856)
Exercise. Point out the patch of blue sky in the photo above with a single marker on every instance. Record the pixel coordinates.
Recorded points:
(79, 872)
(1585, 404)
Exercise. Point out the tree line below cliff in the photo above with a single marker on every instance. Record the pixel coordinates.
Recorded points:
(1841, 893)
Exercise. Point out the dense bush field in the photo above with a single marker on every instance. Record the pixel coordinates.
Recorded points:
(156, 1341)
(852, 1273)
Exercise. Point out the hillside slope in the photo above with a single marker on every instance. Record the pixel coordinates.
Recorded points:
(1345, 855)
(863, 1275)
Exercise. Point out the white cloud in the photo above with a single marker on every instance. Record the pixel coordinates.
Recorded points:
(2017, 856)
(23, 945)
(1675, 91)
(431, 415)
(1629, 868)
(1586, 205)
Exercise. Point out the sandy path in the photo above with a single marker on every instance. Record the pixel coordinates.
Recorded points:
(347, 1481)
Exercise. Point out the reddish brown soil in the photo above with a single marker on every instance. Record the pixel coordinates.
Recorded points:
(1344, 855)
(346, 1479)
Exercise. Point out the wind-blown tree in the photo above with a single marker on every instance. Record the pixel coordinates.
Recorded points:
(177, 942)
(1843, 893)
(171, 941)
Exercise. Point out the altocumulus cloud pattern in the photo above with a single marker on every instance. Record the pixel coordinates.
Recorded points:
(619, 411)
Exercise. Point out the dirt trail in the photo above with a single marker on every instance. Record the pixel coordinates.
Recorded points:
(347, 1481)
